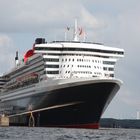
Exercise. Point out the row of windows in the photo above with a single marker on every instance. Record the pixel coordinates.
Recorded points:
(35, 68)
(29, 64)
(88, 60)
(78, 72)
(35, 60)
(83, 66)
(68, 54)
(52, 72)
(108, 62)
(67, 59)
(96, 61)
(97, 67)
(51, 66)
(51, 59)
(109, 69)
(66, 71)
(83, 72)
(66, 65)
(79, 66)
(81, 60)
(78, 49)
(3, 81)
(98, 73)
(109, 75)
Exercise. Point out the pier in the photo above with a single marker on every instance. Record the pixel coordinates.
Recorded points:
(4, 120)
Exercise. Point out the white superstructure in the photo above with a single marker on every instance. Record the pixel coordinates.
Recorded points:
(78, 59)
(63, 60)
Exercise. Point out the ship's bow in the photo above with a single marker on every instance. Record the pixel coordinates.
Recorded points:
(79, 103)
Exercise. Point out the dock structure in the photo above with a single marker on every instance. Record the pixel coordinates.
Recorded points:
(4, 120)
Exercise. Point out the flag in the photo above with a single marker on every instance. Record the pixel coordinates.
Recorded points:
(68, 28)
(80, 31)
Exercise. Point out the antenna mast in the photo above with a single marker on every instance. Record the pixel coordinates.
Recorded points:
(76, 31)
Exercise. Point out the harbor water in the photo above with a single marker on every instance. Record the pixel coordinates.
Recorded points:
(37, 133)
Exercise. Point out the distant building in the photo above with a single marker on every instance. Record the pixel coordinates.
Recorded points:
(138, 115)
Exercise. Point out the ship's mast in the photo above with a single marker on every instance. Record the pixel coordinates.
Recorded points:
(76, 31)
(16, 59)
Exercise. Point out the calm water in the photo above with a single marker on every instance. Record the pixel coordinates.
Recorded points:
(26, 133)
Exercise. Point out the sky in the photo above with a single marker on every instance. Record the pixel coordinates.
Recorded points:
(115, 23)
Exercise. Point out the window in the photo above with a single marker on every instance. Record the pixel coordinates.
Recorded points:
(108, 62)
(51, 66)
(51, 59)
(52, 72)
(111, 75)
(111, 69)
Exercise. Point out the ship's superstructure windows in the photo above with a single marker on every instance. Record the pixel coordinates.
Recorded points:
(78, 49)
(90, 60)
(111, 75)
(33, 65)
(105, 68)
(111, 69)
(26, 74)
(3, 80)
(52, 72)
(67, 60)
(51, 66)
(108, 62)
(51, 59)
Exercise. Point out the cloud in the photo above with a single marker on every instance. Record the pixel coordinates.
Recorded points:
(6, 53)
(4, 41)
(89, 20)
(125, 29)
(31, 16)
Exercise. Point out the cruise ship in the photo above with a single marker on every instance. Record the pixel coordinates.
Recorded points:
(60, 84)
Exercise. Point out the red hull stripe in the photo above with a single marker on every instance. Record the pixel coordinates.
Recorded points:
(86, 126)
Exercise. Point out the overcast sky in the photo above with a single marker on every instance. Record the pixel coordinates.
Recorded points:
(115, 23)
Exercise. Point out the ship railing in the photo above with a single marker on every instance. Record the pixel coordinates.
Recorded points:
(5, 92)
(22, 82)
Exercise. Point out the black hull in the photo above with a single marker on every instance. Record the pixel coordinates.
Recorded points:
(75, 106)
